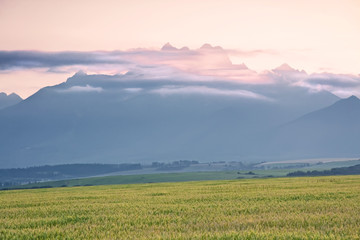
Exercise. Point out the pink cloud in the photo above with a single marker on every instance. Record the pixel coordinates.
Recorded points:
(206, 63)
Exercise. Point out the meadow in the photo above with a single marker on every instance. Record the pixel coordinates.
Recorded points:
(276, 208)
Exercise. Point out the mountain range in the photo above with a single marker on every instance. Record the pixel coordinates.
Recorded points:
(129, 118)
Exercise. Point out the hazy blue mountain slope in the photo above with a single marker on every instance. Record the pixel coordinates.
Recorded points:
(9, 100)
(330, 132)
(115, 119)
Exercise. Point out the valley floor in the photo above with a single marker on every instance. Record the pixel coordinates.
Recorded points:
(277, 208)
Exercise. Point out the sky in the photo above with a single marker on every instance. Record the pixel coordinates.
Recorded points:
(54, 38)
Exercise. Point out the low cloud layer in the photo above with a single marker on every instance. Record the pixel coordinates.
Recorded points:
(86, 88)
(183, 90)
(339, 84)
(334, 80)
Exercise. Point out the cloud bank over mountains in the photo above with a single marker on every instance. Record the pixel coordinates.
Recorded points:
(133, 84)
(177, 104)
(205, 64)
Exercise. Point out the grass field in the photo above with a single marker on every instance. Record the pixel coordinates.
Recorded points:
(277, 208)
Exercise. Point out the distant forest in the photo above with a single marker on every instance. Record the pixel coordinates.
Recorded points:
(353, 170)
(67, 169)
(16, 176)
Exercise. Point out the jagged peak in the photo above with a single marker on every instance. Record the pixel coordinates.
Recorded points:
(14, 95)
(11, 95)
(168, 47)
(352, 98)
(243, 65)
(349, 102)
(284, 67)
(185, 49)
(208, 46)
(80, 73)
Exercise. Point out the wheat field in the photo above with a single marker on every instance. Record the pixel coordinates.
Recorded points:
(279, 208)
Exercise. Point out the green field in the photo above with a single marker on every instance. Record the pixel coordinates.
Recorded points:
(158, 178)
(195, 172)
(277, 208)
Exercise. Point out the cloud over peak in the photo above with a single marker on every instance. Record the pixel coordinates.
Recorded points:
(207, 63)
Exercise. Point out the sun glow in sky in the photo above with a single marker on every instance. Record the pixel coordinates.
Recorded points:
(317, 36)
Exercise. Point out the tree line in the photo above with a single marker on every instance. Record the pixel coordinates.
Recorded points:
(352, 170)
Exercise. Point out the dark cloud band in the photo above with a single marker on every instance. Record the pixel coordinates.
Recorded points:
(35, 59)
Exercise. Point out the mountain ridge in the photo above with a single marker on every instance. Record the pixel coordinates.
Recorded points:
(330, 131)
